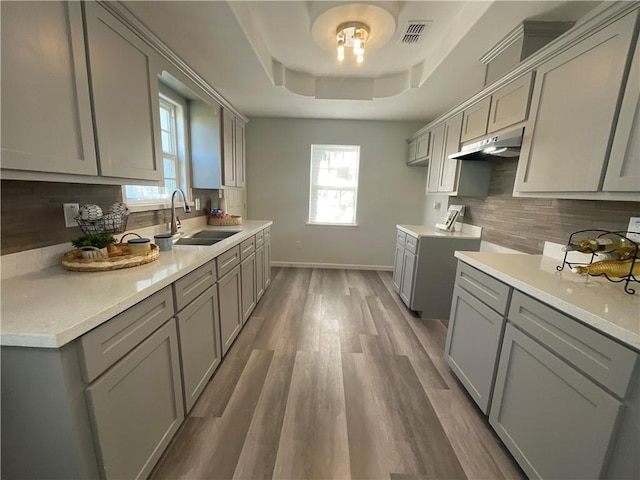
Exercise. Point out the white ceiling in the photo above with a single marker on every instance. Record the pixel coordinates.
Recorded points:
(235, 45)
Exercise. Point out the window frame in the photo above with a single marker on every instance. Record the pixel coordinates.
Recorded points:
(183, 180)
(314, 187)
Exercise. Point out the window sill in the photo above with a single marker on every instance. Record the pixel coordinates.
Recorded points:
(348, 225)
(148, 207)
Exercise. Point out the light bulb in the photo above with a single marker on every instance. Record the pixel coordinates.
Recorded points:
(356, 45)
(340, 52)
(360, 57)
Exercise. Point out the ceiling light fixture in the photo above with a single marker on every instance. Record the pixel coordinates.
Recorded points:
(353, 35)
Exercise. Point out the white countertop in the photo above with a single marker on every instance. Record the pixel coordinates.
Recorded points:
(51, 307)
(468, 231)
(595, 301)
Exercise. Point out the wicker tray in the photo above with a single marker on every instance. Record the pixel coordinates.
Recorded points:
(73, 260)
(227, 220)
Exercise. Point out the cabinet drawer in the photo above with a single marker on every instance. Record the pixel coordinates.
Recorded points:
(601, 358)
(491, 291)
(228, 260)
(193, 284)
(401, 238)
(411, 244)
(267, 234)
(259, 238)
(247, 248)
(105, 345)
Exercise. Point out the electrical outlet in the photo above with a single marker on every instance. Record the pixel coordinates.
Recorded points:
(436, 205)
(634, 226)
(298, 244)
(71, 211)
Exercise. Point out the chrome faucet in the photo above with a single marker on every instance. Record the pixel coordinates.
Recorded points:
(175, 221)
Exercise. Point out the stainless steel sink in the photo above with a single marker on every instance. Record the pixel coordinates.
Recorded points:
(197, 241)
(204, 237)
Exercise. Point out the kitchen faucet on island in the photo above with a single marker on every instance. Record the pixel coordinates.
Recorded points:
(175, 221)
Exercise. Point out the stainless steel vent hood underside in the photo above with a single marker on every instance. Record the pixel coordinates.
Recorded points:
(506, 145)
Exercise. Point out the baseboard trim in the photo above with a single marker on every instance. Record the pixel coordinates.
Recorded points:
(342, 266)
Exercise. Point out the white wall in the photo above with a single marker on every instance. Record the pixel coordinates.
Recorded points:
(389, 192)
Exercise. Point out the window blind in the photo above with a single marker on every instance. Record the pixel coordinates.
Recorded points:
(333, 193)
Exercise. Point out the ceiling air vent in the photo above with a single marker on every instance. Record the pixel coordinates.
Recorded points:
(414, 32)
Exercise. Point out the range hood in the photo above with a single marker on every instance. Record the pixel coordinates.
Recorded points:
(505, 145)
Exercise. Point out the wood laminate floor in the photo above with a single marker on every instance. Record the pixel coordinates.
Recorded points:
(332, 377)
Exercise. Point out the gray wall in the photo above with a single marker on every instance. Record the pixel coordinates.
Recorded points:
(389, 192)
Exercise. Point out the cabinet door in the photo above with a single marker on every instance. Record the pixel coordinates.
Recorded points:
(259, 265)
(239, 156)
(406, 286)
(474, 120)
(435, 158)
(473, 343)
(411, 151)
(573, 110)
(46, 109)
(422, 146)
(200, 348)
(510, 104)
(623, 171)
(267, 264)
(205, 133)
(228, 134)
(125, 98)
(397, 267)
(248, 276)
(555, 422)
(229, 291)
(449, 168)
(136, 407)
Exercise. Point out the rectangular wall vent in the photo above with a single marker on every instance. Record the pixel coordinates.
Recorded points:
(414, 32)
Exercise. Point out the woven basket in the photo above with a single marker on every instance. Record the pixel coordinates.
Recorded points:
(226, 220)
(123, 259)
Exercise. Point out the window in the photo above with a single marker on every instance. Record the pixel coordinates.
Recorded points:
(333, 194)
(172, 131)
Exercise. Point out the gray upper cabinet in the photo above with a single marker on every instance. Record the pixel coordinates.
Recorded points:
(200, 344)
(573, 112)
(474, 120)
(239, 152)
(418, 150)
(623, 171)
(136, 407)
(449, 167)
(435, 158)
(555, 421)
(46, 108)
(124, 81)
(206, 149)
(510, 104)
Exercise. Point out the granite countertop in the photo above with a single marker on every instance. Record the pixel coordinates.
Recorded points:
(468, 231)
(52, 307)
(594, 301)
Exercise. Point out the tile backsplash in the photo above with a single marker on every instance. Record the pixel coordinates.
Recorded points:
(526, 223)
(31, 212)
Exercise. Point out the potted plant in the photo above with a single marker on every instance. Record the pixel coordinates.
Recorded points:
(94, 245)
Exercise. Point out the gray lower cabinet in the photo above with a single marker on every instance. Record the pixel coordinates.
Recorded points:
(229, 294)
(136, 407)
(473, 343)
(248, 276)
(397, 266)
(259, 272)
(408, 275)
(200, 344)
(267, 263)
(555, 421)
